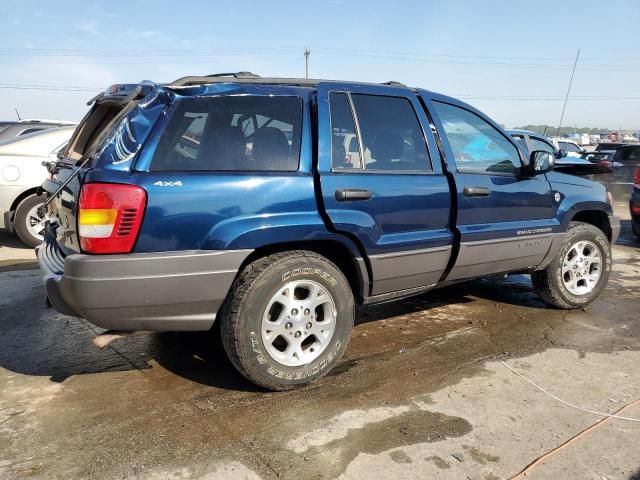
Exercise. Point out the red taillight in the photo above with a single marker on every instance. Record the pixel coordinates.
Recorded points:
(637, 179)
(109, 217)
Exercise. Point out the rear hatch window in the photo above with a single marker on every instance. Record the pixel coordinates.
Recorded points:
(95, 123)
(232, 133)
(106, 118)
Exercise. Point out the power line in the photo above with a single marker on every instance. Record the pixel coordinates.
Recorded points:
(466, 60)
(293, 49)
(55, 88)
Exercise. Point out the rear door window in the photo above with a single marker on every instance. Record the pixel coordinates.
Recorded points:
(391, 133)
(232, 133)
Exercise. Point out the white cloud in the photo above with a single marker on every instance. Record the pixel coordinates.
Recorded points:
(148, 33)
(88, 26)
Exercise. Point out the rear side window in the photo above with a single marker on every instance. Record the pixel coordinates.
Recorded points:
(232, 133)
(477, 145)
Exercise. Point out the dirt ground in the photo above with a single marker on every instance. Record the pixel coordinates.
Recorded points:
(426, 390)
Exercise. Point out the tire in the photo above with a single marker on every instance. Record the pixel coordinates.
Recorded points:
(555, 286)
(25, 218)
(635, 226)
(259, 332)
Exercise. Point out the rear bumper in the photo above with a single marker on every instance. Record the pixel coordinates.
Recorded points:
(167, 291)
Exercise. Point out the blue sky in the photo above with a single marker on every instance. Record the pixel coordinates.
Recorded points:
(510, 59)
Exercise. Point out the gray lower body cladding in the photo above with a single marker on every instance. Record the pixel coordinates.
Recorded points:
(504, 255)
(167, 291)
(409, 269)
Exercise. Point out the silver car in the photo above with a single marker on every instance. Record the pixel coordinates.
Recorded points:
(21, 173)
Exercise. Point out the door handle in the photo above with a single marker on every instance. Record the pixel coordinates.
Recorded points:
(352, 194)
(476, 192)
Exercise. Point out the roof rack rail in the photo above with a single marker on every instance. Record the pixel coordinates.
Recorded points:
(248, 77)
(393, 83)
(199, 79)
(242, 77)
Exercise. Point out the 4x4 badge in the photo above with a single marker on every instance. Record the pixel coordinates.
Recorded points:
(161, 183)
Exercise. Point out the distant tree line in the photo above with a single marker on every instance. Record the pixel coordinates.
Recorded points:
(551, 130)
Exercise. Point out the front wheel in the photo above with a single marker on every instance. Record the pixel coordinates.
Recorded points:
(580, 270)
(288, 319)
(29, 223)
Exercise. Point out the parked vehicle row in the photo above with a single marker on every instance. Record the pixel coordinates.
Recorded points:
(612, 164)
(583, 164)
(625, 159)
(634, 204)
(12, 130)
(240, 200)
(21, 174)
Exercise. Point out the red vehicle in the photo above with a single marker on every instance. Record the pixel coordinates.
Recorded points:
(634, 204)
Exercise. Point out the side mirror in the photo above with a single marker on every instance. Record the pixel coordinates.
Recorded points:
(561, 153)
(541, 161)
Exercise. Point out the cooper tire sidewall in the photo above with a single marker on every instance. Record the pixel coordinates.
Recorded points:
(602, 244)
(257, 299)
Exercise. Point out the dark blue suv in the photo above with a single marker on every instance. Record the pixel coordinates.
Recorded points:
(275, 206)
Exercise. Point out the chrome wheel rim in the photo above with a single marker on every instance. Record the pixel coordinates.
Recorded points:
(582, 268)
(35, 222)
(298, 323)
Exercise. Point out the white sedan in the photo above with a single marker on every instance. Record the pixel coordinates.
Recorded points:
(21, 173)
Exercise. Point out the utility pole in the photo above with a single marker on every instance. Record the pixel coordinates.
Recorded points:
(568, 91)
(307, 52)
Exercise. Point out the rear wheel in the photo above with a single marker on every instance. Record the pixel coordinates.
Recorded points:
(635, 226)
(288, 319)
(579, 272)
(29, 224)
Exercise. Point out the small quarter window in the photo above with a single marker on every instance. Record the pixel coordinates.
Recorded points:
(345, 147)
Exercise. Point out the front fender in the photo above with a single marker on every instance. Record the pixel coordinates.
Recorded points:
(573, 195)
(566, 213)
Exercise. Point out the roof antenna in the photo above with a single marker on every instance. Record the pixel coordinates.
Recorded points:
(17, 113)
(568, 91)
